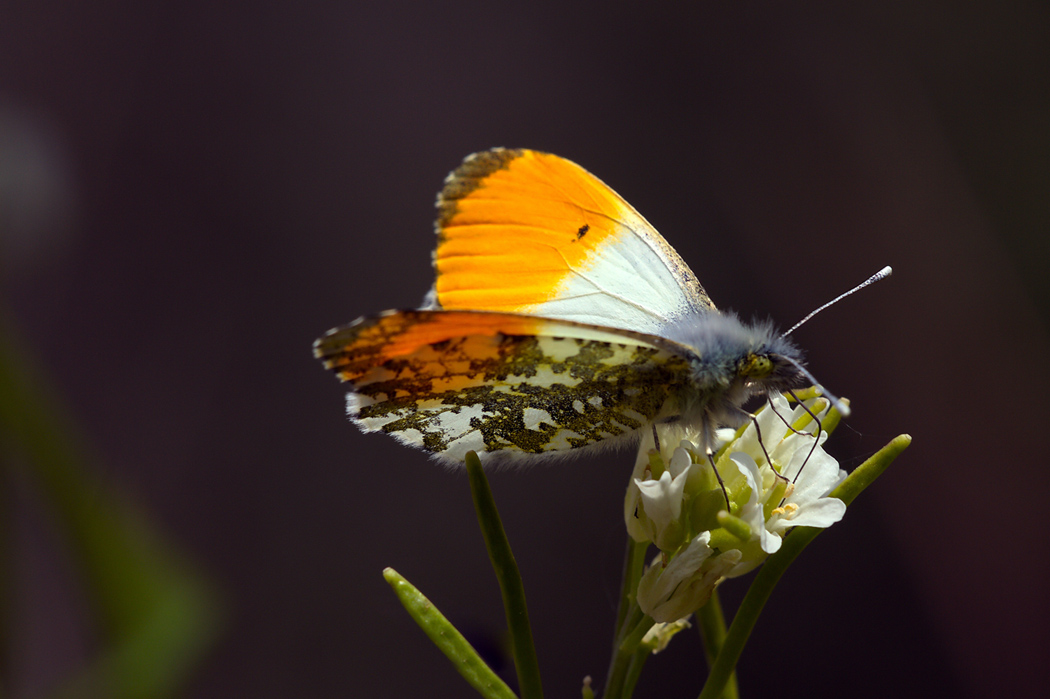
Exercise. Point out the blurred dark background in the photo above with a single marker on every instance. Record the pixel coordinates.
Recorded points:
(191, 192)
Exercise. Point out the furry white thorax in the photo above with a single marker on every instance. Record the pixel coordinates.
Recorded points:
(720, 343)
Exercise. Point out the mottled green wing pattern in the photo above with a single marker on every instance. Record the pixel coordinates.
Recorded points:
(518, 386)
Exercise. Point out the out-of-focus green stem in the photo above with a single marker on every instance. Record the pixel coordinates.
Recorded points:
(621, 659)
(448, 639)
(634, 670)
(509, 580)
(158, 613)
(712, 626)
(634, 638)
(633, 566)
(6, 571)
(628, 617)
(774, 567)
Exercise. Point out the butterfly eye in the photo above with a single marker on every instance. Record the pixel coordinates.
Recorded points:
(755, 366)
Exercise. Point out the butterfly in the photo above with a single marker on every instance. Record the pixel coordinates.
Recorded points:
(560, 322)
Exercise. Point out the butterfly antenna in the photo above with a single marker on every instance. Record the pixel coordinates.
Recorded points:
(878, 276)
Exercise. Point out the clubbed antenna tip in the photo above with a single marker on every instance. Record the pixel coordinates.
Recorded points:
(878, 276)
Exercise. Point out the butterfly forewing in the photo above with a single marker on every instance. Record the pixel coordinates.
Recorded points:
(451, 382)
(528, 232)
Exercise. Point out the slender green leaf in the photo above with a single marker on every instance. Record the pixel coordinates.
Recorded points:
(509, 580)
(774, 567)
(448, 639)
(628, 616)
(712, 626)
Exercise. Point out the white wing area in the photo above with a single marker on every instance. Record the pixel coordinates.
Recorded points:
(528, 232)
(631, 283)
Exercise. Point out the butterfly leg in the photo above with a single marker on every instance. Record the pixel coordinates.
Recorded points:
(758, 433)
(725, 493)
(816, 437)
(708, 432)
(788, 424)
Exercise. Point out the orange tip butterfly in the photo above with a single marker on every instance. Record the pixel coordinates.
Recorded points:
(560, 322)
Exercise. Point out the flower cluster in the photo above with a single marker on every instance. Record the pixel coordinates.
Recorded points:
(676, 502)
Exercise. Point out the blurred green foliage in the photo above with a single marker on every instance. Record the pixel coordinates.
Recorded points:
(156, 614)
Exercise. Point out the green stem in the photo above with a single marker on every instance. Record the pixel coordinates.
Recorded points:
(509, 580)
(865, 474)
(448, 639)
(633, 566)
(634, 670)
(634, 639)
(628, 616)
(618, 668)
(712, 626)
(774, 567)
(7, 599)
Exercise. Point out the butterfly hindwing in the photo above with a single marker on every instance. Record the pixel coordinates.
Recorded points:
(515, 385)
(528, 232)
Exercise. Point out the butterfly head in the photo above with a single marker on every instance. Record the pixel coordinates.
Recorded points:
(746, 359)
(764, 361)
(735, 360)
(771, 368)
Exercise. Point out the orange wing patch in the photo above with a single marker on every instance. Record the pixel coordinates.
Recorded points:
(451, 382)
(527, 232)
(513, 224)
(353, 350)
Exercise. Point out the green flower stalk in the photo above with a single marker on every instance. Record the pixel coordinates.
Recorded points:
(775, 476)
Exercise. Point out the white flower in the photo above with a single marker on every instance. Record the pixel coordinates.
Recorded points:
(652, 510)
(680, 506)
(800, 496)
(773, 420)
(674, 591)
(753, 510)
(660, 502)
(806, 503)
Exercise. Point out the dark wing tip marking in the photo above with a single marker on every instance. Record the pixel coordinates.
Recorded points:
(334, 342)
(468, 177)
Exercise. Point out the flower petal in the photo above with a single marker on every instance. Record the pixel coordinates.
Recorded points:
(665, 593)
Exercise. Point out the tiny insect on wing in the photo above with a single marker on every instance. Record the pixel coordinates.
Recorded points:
(560, 321)
(527, 232)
